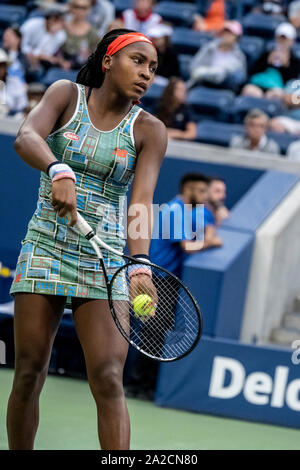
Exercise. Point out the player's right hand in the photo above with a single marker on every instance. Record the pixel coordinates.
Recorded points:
(64, 199)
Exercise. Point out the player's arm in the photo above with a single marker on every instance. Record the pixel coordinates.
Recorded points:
(31, 144)
(151, 148)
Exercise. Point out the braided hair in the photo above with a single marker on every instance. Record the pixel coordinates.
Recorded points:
(91, 73)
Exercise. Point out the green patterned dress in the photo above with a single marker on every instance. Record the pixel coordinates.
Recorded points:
(54, 259)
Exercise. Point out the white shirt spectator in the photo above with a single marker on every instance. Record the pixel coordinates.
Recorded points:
(13, 92)
(37, 40)
(102, 14)
(131, 21)
(13, 96)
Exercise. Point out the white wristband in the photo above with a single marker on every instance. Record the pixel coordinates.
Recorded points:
(61, 168)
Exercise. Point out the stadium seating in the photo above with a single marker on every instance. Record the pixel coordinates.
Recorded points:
(150, 99)
(56, 73)
(221, 133)
(261, 25)
(10, 14)
(177, 13)
(121, 5)
(187, 41)
(243, 104)
(217, 133)
(237, 9)
(252, 47)
(184, 65)
(209, 102)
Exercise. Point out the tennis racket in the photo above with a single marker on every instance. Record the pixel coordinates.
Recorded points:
(160, 318)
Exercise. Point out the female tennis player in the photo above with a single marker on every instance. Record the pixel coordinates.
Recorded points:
(89, 140)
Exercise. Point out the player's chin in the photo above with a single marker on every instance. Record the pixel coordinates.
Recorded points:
(138, 93)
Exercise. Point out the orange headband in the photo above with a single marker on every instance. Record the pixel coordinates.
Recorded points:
(124, 40)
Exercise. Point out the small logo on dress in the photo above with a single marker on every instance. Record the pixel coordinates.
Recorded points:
(18, 277)
(120, 153)
(71, 136)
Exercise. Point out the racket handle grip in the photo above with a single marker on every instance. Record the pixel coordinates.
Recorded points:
(84, 228)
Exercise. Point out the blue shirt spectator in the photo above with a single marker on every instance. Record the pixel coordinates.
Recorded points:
(181, 225)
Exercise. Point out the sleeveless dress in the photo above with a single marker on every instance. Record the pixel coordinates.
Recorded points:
(54, 258)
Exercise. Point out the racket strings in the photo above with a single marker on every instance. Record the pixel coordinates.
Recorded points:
(166, 331)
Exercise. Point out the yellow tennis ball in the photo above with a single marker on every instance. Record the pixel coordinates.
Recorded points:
(5, 272)
(143, 305)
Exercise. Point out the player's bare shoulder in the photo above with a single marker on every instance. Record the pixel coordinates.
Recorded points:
(61, 92)
(150, 130)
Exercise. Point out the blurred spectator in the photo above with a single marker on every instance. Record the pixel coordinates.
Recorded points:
(13, 97)
(216, 199)
(173, 111)
(285, 124)
(42, 38)
(290, 121)
(35, 92)
(221, 62)
(293, 151)
(117, 23)
(142, 17)
(270, 7)
(43, 34)
(82, 38)
(170, 253)
(11, 42)
(168, 65)
(49, 5)
(211, 15)
(274, 69)
(256, 124)
(101, 15)
(294, 15)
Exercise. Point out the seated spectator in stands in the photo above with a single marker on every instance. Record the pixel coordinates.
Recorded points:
(35, 92)
(270, 7)
(294, 15)
(211, 15)
(283, 124)
(101, 15)
(290, 121)
(170, 253)
(82, 38)
(256, 124)
(11, 42)
(41, 39)
(168, 65)
(142, 17)
(220, 62)
(275, 68)
(13, 96)
(173, 111)
(216, 199)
